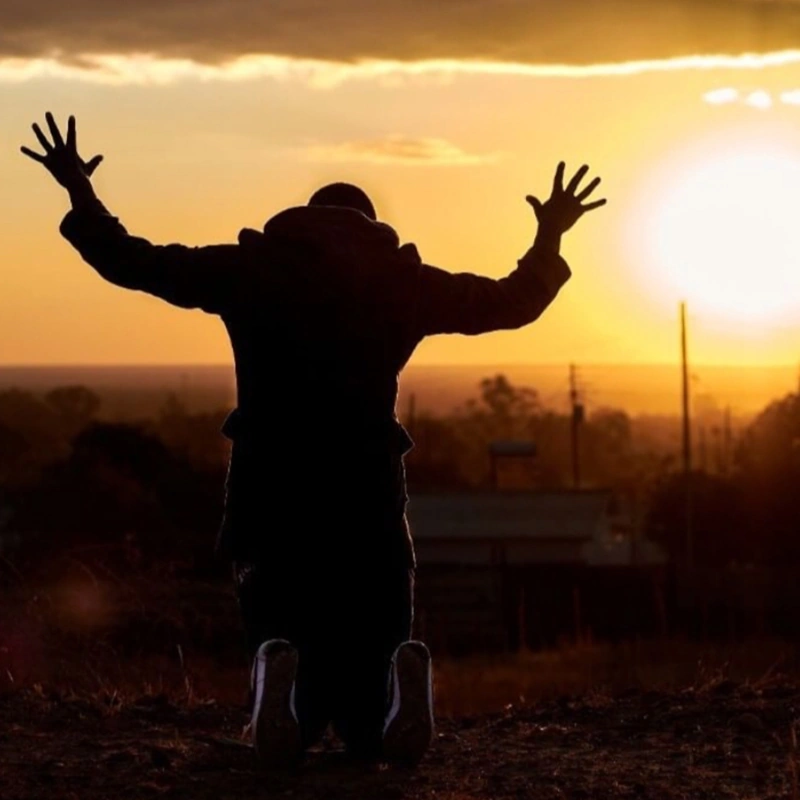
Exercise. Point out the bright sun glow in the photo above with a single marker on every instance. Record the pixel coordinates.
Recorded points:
(725, 236)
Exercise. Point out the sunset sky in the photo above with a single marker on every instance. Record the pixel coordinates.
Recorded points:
(216, 114)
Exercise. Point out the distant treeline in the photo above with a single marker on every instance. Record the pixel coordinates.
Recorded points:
(150, 491)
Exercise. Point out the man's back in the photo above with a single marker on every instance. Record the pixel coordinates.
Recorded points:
(321, 325)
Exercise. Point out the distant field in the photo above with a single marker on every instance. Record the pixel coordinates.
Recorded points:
(639, 389)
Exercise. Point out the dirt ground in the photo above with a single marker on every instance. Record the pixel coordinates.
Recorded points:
(722, 741)
(137, 689)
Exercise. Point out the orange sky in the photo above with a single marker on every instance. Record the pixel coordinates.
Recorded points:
(449, 156)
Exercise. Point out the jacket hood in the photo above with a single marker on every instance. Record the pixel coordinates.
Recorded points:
(309, 223)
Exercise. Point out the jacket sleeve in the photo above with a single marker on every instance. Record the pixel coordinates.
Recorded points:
(188, 277)
(473, 304)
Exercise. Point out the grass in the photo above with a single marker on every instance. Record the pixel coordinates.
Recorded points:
(120, 641)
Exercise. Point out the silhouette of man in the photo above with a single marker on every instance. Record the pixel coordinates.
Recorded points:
(324, 307)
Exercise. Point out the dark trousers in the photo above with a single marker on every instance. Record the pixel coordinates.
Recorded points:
(346, 622)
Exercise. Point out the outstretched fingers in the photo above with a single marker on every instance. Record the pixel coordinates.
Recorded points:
(93, 164)
(558, 181)
(576, 179)
(39, 159)
(43, 141)
(594, 205)
(72, 135)
(535, 203)
(58, 139)
(588, 190)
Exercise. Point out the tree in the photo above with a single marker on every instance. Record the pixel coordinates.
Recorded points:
(196, 437)
(608, 450)
(768, 467)
(75, 407)
(720, 529)
(502, 412)
(14, 448)
(436, 462)
(507, 405)
(26, 416)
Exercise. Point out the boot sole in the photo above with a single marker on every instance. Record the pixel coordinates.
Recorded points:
(276, 732)
(410, 731)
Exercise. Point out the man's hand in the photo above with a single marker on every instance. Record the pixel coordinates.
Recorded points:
(565, 206)
(61, 158)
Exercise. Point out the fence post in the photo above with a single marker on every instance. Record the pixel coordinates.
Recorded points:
(521, 622)
(576, 610)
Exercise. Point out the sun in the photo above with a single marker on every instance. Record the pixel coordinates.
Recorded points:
(723, 233)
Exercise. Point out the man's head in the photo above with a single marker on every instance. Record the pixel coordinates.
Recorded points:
(344, 195)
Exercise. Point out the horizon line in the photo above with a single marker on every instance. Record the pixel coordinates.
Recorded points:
(439, 365)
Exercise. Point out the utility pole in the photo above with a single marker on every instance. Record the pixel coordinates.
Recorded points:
(687, 440)
(577, 411)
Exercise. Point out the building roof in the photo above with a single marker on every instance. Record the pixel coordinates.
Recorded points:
(520, 515)
(513, 449)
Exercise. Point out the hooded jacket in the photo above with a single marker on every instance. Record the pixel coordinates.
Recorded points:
(324, 307)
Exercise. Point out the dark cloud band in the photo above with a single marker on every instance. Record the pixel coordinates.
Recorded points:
(523, 31)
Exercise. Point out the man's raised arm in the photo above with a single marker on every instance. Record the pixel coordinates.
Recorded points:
(472, 304)
(189, 277)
